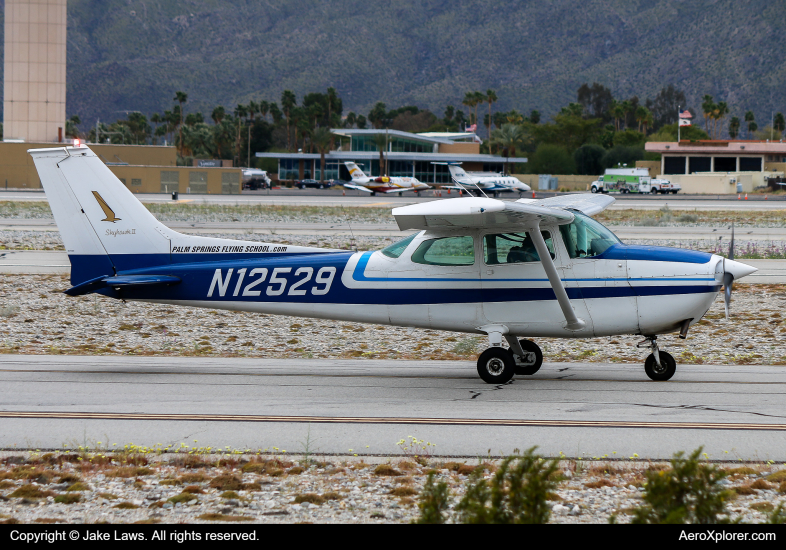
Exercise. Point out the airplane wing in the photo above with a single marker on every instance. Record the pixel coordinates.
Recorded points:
(358, 187)
(476, 212)
(585, 203)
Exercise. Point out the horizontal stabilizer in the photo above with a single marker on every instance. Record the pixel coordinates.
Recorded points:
(358, 187)
(120, 282)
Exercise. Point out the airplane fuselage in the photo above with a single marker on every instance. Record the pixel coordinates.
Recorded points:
(618, 292)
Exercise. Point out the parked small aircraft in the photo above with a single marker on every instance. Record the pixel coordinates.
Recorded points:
(381, 184)
(536, 268)
(482, 183)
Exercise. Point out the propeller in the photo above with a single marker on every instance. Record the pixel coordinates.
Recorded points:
(728, 278)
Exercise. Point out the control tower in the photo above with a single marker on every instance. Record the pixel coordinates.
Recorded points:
(34, 87)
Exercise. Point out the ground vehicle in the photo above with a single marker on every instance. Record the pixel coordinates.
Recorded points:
(623, 180)
(255, 179)
(664, 187)
(313, 183)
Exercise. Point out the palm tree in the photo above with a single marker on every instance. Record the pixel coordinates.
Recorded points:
(491, 97)
(750, 119)
(617, 111)
(381, 141)
(332, 101)
(641, 115)
(264, 109)
(707, 106)
(469, 98)
(218, 114)
(480, 97)
(240, 113)
(288, 102)
(181, 98)
(734, 127)
(322, 139)
(778, 122)
(253, 109)
(509, 138)
(721, 110)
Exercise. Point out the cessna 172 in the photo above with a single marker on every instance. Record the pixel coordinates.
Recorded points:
(537, 268)
(483, 183)
(381, 184)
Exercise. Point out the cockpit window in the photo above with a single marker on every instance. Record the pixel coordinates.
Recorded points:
(446, 251)
(397, 249)
(585, 238)
(513, 248)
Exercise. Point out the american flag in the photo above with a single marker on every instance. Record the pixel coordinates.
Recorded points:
(472, 128)
(685, 114)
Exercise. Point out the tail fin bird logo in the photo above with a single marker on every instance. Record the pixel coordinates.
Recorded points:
(110, 214)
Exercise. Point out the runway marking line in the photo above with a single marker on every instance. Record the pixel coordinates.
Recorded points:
(392, 420)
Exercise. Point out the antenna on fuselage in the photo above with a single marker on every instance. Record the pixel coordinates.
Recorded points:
(354, 241)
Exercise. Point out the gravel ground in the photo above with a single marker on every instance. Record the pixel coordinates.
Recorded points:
(37, 318)
(201, 488)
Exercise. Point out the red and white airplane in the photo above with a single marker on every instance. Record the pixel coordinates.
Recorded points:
(381, 184)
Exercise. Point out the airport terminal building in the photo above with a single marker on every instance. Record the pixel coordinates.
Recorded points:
(407, 155)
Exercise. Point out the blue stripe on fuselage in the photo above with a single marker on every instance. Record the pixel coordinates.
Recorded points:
(197, 278)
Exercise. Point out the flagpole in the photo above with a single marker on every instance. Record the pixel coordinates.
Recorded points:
(679, 126)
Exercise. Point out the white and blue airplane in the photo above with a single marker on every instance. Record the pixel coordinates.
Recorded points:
(535, 268)
(482, 183)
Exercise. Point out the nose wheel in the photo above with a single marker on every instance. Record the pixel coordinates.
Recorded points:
(659, 365)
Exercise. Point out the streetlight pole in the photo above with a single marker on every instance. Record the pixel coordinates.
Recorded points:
(248, 159)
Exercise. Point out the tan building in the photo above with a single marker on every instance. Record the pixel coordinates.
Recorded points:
(183, 179)
(17, 170)
(34, 87)
(720, 167)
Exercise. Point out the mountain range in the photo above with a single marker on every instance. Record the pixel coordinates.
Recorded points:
(132, 55)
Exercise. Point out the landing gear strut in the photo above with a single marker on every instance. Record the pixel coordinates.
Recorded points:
(659, 366)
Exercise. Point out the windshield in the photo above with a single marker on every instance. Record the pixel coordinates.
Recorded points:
(585, 238)
(397, 249)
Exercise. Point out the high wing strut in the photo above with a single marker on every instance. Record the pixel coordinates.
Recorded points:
(574, 323)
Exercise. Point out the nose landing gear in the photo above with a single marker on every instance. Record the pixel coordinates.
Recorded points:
(659, 366)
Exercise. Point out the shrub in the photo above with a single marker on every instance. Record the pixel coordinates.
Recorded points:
(516, 494)
(552, 159)
(433, 502)
(30, 491)
(689, 492)
(386, 470)
(69, 498)
(227, 483)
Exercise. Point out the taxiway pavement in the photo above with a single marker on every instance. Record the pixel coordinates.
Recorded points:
(334, 197)
(359, 406)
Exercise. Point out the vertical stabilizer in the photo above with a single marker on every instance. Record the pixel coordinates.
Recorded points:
(97, 216)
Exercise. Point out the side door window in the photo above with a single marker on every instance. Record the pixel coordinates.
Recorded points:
(513, 248)
(447, 251)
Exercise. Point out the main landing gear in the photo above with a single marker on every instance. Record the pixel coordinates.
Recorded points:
(659, 366)
(498, 365)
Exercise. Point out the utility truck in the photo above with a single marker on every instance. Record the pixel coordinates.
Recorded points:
(632, 180)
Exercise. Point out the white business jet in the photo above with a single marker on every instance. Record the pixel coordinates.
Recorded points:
(381, 184)
(482, 183)
(534, 268)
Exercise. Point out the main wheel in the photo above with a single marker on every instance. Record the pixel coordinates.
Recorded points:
(496, 366)
(668, 366)
(321, 186)
(532, 360)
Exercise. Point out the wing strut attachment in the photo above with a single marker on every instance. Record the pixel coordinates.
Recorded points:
(574, 323)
